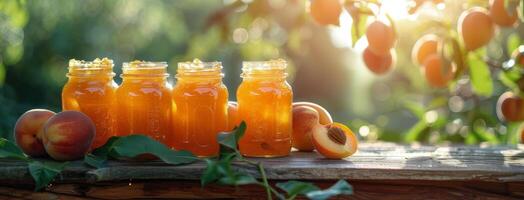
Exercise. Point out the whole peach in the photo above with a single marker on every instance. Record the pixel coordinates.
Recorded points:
(381, 38)
(378, 64)
(522, 136)
(68, 135)
(500, 16)
(476, 28)
(305, 119)
(324, 116)
(29, 129)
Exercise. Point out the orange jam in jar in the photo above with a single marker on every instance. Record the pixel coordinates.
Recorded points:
(264, 103)
(144, 103)
(91, 90)
(201, 107)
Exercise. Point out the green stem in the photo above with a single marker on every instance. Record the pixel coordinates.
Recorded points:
(292, 197)
(265, 182)
(264, 179)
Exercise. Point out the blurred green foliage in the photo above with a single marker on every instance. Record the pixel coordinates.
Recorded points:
(37, 38)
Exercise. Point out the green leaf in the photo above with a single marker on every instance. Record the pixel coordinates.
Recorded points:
(521, 14)
(341, 187)
(228, 141)
(221, 171)
(458, 56)
(437, 102)
(2, 74)
(471, 138)
(507, 79)
(359, 28)
(359, 15)
(486, 136)
(135, 145)
(210, 174)
(513, 132)
(43, 172)
(415, 131)
(217, 168)
(98, 157)
(293, 188)
(95, 161)
(513, 42)
(237, 178)
(480, 75)
(416, 108)
(9, 149)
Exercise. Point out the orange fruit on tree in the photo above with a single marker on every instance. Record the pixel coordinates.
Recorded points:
(381, 37)
(501, 16)
(510, 107)
(378, 64)
(438, 73)
(326, 12)
(476, 28)
(522, 136)
(424, 47)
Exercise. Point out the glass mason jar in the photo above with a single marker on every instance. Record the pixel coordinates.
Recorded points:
(201, 107)
(265, 103)
(144, 103)
(91, 89)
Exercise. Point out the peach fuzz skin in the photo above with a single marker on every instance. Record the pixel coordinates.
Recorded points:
(29, 129)
(324, 116)
(68, 135)
(305, 119)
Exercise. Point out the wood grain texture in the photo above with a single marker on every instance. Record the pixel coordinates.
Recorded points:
(399, 189)
(453, 172)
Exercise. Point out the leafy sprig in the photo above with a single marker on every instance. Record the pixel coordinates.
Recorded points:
(137, 145)
(43, 172)
(220, 170)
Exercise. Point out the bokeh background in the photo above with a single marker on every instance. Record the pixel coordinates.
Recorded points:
(37, 38)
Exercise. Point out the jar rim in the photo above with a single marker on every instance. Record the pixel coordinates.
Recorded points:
(198, 66)
(96, 64)
(140, 64)
(264, 65)
(76, 75)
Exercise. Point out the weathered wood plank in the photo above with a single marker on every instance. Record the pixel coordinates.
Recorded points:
(399, 189)
(382, 161)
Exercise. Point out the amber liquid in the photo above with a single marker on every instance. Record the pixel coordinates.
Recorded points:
(93, 95)
(264, 103)
(144, 106)
(201, 114)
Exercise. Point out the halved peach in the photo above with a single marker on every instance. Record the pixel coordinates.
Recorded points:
(335, 141)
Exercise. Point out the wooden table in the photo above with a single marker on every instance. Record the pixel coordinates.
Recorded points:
(377, 171)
